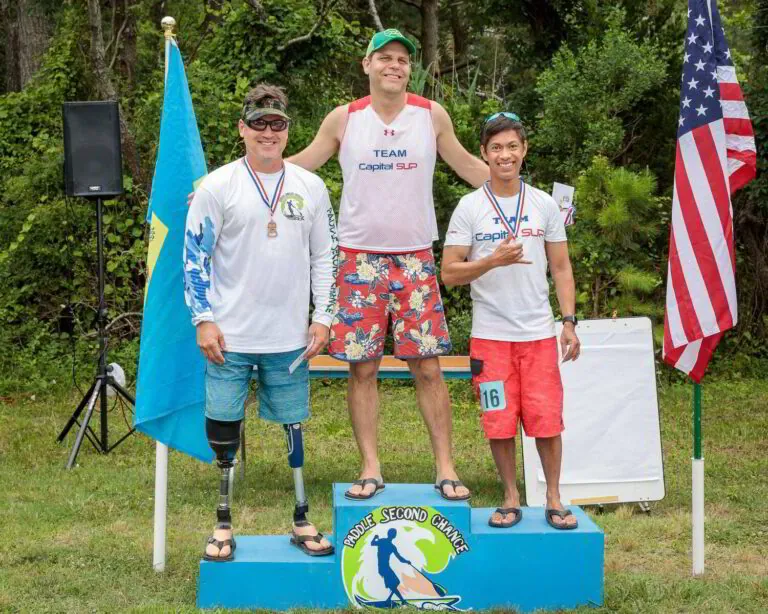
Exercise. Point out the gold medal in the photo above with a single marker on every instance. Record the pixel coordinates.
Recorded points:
(272, 229)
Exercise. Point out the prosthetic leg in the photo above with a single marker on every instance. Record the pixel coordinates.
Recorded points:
(224, 439)
(295, 442)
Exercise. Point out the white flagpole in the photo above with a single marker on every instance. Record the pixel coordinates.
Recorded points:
(161, 502)
(697, 488)
(697, 463)
(161, 451)
(698, 516)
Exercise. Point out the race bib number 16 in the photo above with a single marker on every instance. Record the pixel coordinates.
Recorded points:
(492, 396)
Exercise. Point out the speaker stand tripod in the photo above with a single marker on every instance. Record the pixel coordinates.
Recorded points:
(103, 379)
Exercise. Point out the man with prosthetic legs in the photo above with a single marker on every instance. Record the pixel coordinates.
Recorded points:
(260, 235)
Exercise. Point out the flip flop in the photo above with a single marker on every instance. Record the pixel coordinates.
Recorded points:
(220, 544)
(504, 511)
(362, 497)
(300, 541)
(456, 484)
(549, 512)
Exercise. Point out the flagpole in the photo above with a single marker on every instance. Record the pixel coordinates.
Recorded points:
(161, 502)
(161, 450)
(697, 487)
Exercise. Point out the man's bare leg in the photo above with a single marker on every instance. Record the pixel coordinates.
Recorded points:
(435, 405)
(363, 406)
(551, 455)
(503, 451)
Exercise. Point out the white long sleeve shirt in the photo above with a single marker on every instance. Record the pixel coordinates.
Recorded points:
(257, 288)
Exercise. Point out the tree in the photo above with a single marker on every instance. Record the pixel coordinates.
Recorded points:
(595, 101)
(105, 84)
(430, 32)
(27, 34)
(615, 243)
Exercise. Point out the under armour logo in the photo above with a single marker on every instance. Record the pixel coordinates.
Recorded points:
(389, 132)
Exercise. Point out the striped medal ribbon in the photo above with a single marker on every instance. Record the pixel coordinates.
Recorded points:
(500, 212)
(271, 203)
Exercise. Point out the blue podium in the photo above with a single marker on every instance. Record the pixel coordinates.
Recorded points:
(409, 546)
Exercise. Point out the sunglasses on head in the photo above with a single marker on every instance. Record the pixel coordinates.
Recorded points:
(513, 116)
(260, 125)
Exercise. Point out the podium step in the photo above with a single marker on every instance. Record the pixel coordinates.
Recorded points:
(408, 545)
(269, 572)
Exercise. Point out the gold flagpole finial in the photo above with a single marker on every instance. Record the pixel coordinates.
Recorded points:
(168, 24)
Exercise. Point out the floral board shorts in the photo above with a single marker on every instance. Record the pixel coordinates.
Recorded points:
(374, 288)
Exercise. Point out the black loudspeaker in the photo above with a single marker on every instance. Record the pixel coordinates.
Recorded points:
(93, 165)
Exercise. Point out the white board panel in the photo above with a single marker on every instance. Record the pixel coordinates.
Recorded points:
(612, 439)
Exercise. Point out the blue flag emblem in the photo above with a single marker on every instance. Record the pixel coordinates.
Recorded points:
(170, 392)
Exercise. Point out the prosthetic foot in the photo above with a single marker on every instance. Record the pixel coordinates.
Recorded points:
(224, 439)
(295, 442)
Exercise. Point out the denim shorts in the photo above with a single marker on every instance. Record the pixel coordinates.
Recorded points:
(283, 397)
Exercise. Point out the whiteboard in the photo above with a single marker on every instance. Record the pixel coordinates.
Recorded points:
(612, 439)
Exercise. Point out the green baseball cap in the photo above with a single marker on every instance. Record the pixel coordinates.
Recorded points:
(267, 106)
(385, 37)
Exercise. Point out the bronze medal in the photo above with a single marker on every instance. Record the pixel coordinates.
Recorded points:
(270, 203)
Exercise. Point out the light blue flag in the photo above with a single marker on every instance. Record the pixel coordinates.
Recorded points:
(170, 392)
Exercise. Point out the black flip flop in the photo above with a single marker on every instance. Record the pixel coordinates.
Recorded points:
(504, 511)
(456, 484)
(362, 497)
(220, 544)
(300, 541)
(549, 512)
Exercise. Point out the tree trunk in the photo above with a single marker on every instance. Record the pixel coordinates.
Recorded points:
(375, 15)
(34, 34)
(429, 35)
(9, 30)
(126, 45)
(458, 32)
(105, 86)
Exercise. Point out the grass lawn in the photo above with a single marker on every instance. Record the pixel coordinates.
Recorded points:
(81, 540)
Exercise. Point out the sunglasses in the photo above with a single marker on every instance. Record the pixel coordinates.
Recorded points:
(513, 116)
(260, 125)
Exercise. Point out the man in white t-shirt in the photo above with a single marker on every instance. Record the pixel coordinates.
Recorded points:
(260, 233)
(500, 240)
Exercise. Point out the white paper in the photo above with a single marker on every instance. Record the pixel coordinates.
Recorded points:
(563, 195)
(295, 364)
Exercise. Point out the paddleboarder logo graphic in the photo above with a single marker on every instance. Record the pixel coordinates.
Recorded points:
(392, 558)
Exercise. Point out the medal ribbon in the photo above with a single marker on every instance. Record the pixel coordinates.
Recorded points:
(271, 203)
(497, 207)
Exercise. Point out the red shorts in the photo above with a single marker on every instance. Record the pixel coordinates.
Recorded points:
(518, 380)
(372, 288)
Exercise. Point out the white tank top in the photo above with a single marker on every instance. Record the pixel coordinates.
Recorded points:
(386, 201)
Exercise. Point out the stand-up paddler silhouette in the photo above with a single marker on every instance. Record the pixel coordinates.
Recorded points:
(386, 548)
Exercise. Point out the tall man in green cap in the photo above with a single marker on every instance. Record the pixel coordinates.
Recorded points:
(387, 144)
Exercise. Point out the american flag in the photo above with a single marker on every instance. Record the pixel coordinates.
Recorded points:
(715, 157)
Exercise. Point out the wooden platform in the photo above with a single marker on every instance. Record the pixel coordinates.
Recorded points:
(456, 367)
